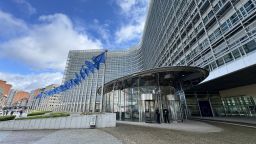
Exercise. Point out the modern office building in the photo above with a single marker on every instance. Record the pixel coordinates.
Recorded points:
(216, 35)
(84, 98)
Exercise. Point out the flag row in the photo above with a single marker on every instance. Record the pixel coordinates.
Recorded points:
(87, 68)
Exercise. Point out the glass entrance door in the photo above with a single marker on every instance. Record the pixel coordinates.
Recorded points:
(149, 111)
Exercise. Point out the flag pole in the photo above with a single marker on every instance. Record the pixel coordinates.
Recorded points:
(103, 82)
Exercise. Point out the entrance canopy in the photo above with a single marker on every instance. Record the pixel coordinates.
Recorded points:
(164, 76)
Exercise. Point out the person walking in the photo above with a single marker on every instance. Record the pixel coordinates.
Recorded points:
(166, 116)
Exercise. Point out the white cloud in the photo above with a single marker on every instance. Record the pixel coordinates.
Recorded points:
(135, 13)
(32, 81)
(43, 46)
(11, 26)
(46, 45)
(130, 32)
(26, 6)
(126, 5)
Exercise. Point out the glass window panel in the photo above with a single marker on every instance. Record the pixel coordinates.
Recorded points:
(216, 8)
(205, 20)
(213, 65)
(217, 32)
(220, 61)
(249, 47)
(242, 10)
(210, 14)
(236, 54)
(249, 6)
(234, 18)
(228, 57)
(224, 27)
(241, 50)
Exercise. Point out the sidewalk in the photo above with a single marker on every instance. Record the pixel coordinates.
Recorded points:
(242, 120)
(187, 125)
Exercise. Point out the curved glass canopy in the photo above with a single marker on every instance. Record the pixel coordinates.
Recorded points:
(154, 95)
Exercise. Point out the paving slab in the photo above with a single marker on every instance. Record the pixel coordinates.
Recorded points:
(188, 125)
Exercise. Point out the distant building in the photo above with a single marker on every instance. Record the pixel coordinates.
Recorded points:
(47, 103)
(20, 98)
(3, 100)
(10, 97)
(5, 87)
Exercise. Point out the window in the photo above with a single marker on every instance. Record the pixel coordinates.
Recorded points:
(205, 20)
(249, 6)
(249, 47)
(242, 10)
(213, 65)
(207, 67)
(220, 61)
(217, 32)
(211, 37)
(210, 14)
(229, 23)
(241, 50)
(224, 27)
(216, 7)
(228, 57)
(236, 54)
(234, 18)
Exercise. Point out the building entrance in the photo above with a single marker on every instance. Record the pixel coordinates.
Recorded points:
(149, 111)
(205, 108)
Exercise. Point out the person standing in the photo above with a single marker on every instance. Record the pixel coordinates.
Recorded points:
(166, 116)
(21, 111)
(12, 112)
(157, 116)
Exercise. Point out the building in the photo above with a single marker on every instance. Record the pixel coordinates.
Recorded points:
(20, 99)
(47, 103)
(84, 98)
(3, 100)
(10, 97)
(216, 35)
(5, 87)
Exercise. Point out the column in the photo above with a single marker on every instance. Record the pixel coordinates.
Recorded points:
(198, 104)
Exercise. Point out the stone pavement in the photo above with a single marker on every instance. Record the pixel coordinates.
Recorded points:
(67, 136)
(231, 134)
(187, 125)
(244, 120)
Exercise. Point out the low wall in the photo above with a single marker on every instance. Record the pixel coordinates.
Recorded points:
(102, 120)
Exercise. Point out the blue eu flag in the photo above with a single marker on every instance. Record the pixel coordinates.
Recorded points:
(99, 58)
(82, 73)
(90, 66)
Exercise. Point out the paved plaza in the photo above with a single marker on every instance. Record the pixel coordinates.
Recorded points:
(210, 133)
(69, 136)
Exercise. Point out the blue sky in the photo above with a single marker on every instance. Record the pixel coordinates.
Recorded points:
(36, 35)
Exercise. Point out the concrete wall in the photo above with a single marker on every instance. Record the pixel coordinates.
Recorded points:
(103, 120)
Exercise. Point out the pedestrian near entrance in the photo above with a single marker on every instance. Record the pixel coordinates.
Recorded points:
(166, 116)
(21, 111)
(12, 112)
(157, 116)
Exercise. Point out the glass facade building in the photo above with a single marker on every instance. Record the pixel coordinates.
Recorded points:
(84, 97)
(217, 35)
